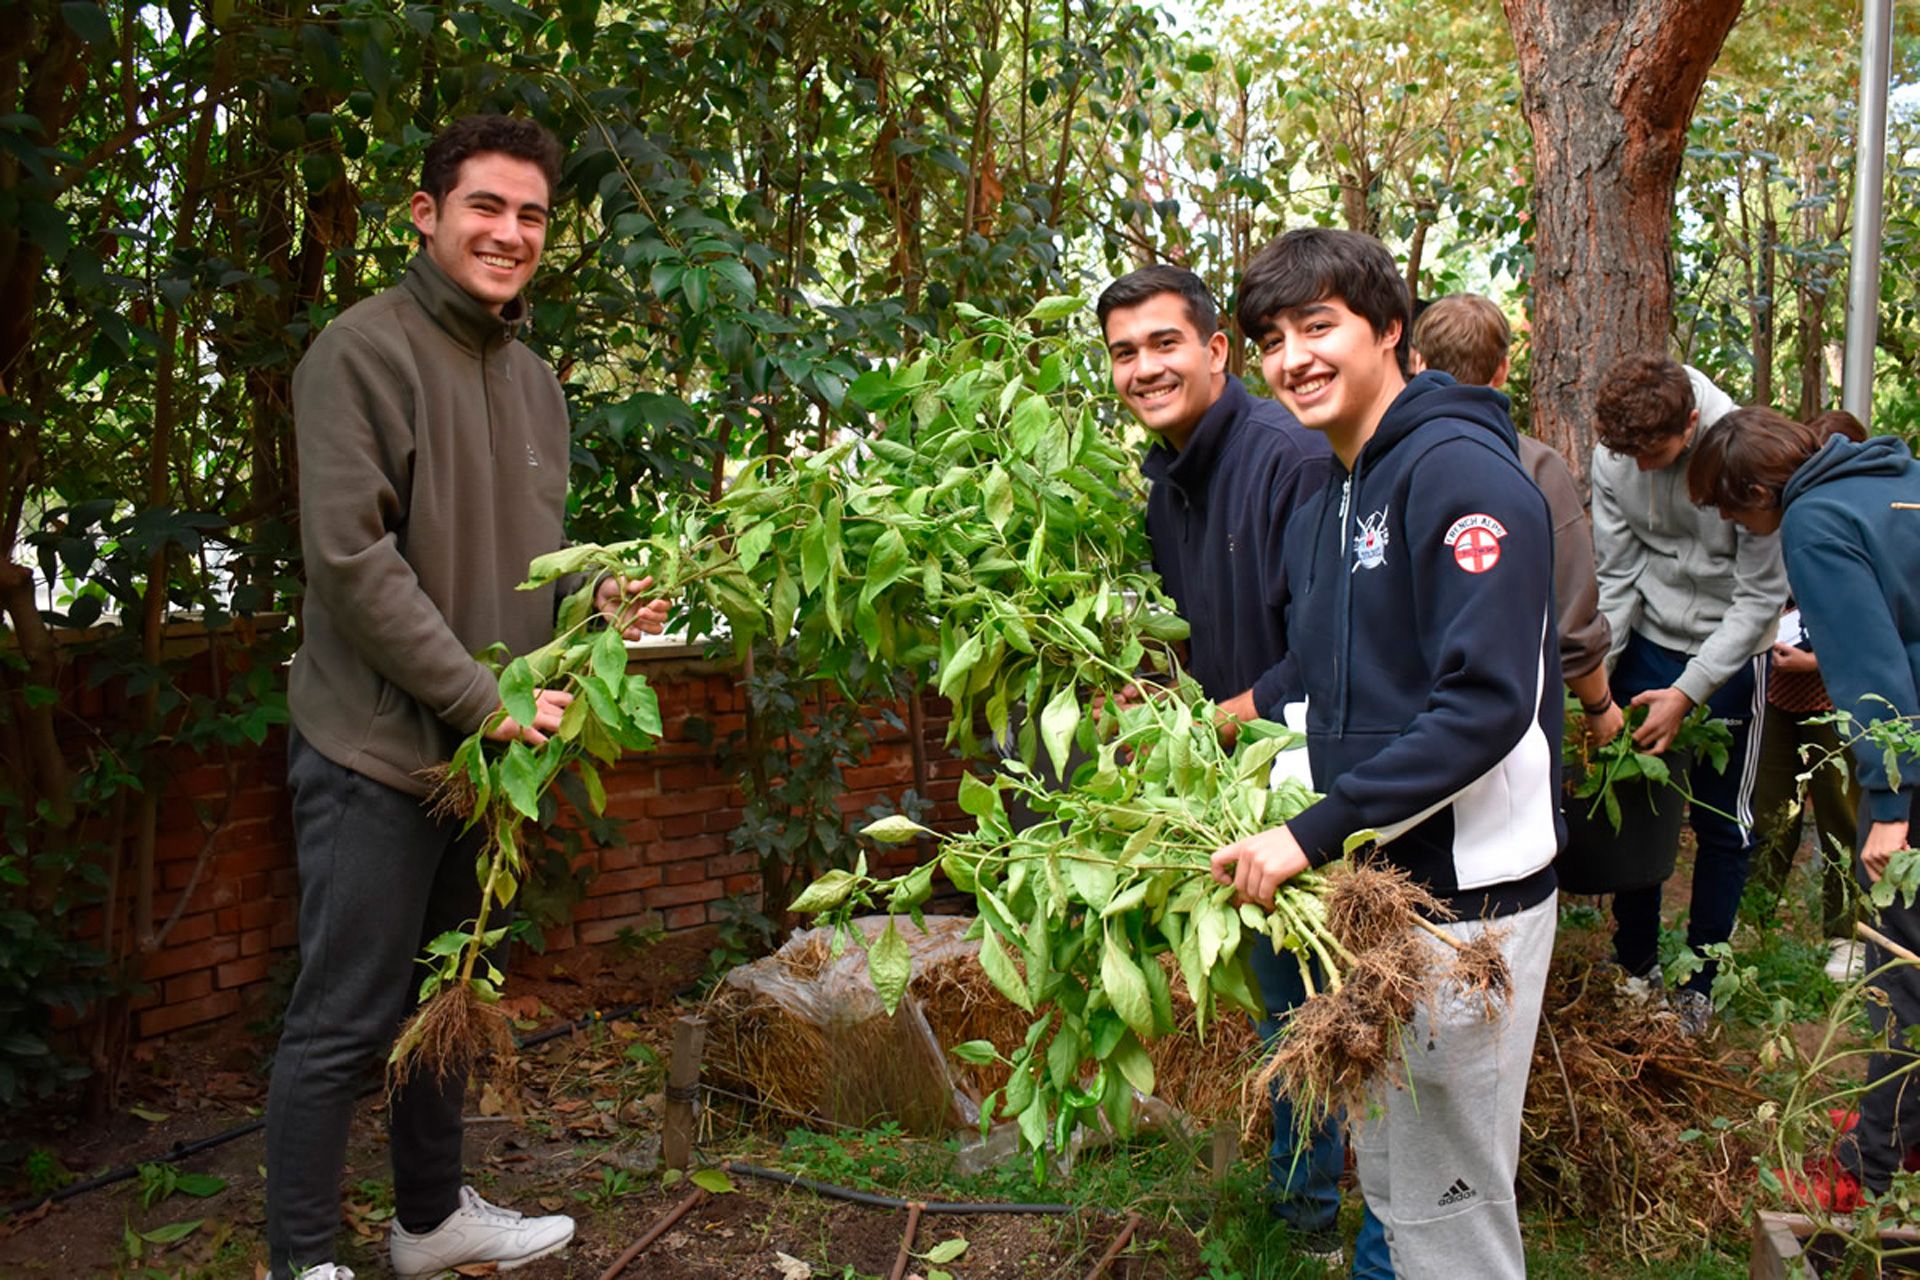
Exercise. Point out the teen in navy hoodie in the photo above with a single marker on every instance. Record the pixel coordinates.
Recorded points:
(1227, 470)
(1850, 554)
(1423, 643)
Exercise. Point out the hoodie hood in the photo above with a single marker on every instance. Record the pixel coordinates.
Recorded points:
(1432, 395)
(1840, 458)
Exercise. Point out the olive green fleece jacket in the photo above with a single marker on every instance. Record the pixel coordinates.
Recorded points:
(433, 452)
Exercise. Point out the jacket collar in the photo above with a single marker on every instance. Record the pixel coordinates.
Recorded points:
(1189, 469)
(459, 313)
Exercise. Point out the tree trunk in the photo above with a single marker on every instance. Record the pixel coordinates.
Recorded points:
(1609, 87)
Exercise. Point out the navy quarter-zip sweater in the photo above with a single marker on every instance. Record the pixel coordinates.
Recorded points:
(1851, 559)
(1423, 642)
(1215, 515)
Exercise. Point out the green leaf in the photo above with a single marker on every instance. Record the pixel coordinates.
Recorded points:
(895, 829)
(1000, 971)
(609, 658)
(1057, 307)
(558, 564)
(978, 1052)
(890, 965)
(199, 1185)
(996, 497)
(1057, 725)
(977, 799)
(522, 778)
(714, 1182)
(172, 1233)
(814, 560)
(946, 1251)
(1130, 1058)
(952, 673)
(824, 894)
(516, 691)
(1093, 879)
(1125, 986)
(91, 24)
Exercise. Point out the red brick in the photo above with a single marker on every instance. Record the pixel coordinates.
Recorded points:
(619, 857)
(724, 819)
(612, 882)
(284, 883)
(255, 942)
(718, 913)
(691, 871)
(244, 858)
(681, 850)
(199, 955)
(621, 904)
(668, 805)
(239, 973)
(197, 927)
(732, 864)
(679, 894)
(188, 986)
(683, 826)
(748, 882)
(220, 1004)
(227, 919)
(257, 913)
(688, 777)
(685, 918)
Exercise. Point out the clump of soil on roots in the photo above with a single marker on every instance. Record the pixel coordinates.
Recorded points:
(449, 1034)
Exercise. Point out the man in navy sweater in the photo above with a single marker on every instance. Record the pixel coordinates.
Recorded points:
(1227, 472)
(1423, 644)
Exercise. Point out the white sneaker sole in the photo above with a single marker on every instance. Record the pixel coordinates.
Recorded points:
(438, 1273)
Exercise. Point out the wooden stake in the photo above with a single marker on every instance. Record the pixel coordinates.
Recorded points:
(1226, 1150)
(1885, 943)
(683, 1091)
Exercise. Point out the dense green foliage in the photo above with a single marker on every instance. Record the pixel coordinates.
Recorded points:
(764, 203)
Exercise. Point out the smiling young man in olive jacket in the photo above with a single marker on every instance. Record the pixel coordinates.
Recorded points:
(433, 451)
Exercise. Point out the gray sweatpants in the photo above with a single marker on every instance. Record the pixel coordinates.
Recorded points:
(1438, 1150)
(378, 878)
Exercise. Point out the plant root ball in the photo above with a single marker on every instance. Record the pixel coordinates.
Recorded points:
(447, 1034)
(1373, 906)
(1480, 970)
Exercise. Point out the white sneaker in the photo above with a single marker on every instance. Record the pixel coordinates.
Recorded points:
(326, 1271)
(477, 1232)
(1846, 959)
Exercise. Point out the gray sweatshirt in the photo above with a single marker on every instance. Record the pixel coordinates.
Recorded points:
(1679, 574)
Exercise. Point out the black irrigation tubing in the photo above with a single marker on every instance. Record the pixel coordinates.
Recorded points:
(894, 1202)
(182, 1150)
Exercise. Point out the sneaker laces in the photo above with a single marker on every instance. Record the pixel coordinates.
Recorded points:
(474, 1204)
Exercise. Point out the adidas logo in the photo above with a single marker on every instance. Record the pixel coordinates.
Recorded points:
(1458, 1192)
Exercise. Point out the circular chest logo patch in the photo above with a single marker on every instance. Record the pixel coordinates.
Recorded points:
(1475, 541)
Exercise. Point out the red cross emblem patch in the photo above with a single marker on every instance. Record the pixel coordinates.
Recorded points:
(1475, 541)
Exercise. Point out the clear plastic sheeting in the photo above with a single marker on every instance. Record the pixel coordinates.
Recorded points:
(804, 1030)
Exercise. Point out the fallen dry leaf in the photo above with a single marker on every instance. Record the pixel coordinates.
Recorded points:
(790, 1267)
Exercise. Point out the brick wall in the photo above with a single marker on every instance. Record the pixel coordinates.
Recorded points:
(670, 868)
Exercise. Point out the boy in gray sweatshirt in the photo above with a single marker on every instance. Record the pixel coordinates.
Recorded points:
(1692, 603)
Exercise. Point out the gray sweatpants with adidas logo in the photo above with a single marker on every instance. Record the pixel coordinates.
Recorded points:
(1437, 1150)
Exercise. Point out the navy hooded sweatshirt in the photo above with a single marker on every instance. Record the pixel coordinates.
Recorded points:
(1215, 514)
(1852, 559)
(1423, 642)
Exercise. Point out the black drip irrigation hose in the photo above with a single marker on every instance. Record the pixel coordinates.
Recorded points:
(182, 1150)
(894, 1202)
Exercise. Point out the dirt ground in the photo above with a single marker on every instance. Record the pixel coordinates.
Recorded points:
(585, 1142)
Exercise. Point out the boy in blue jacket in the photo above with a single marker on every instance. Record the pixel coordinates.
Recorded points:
(1228, 470)
(1422, 641)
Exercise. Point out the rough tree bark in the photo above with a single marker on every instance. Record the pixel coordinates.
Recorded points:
(1608, 87)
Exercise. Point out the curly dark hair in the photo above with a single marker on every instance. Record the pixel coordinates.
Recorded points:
(473, 136)
(1644, 401)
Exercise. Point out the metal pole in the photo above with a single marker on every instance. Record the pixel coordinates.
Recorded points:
(1869, 184)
